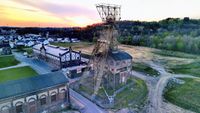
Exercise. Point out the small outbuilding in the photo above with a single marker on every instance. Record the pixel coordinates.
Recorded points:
(119, 65)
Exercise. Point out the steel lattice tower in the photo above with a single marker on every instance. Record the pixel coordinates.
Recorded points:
(107, 42)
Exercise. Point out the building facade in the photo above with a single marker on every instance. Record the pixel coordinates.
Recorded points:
(58, 56)
(119, 65)
(42, 93)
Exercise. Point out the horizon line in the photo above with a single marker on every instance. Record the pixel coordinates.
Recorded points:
(95, 23)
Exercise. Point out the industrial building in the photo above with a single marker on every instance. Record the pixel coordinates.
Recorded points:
(58, 56)
(120, 64)
(41, 93)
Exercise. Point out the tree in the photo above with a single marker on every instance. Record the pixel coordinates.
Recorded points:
(179, 44)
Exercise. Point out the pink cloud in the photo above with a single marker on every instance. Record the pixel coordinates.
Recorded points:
(61, 10)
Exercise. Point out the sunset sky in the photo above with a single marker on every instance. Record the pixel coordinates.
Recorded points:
(69, 13)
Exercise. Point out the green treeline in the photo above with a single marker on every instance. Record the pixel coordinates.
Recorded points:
(170, 34)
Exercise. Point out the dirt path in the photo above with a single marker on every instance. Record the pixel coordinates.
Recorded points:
(156, 87)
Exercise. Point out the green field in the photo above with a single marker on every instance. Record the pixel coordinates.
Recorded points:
(6, 61)
(16, 73)
(186, 96)
(168, 53)
(141, 67)
(180, 63)
(192, 68)
(73, 45)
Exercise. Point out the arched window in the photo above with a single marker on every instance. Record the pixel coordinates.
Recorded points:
(19, 107)
(43, 100)
(53, 97)
(32, 105)
(62, 94)
(31, 101)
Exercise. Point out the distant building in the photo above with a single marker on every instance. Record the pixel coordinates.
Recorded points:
(5, 48)
(58, 56)
(42, 93)
(74, 40)
(20, 43)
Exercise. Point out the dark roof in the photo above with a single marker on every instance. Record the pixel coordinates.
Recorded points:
(32, 84)
(4, 44)
(120, 55)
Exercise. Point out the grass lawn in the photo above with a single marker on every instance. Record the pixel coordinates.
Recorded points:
(186, 95)
(192, 68)
(132, 96)
(73, 45)
(16, 73)
(141, 67)
(6, 61)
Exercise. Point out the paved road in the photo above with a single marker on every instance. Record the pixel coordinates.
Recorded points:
(39, 66)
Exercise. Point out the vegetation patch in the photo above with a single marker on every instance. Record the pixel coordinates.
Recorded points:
(133, 96)
(144, 68)
(186, 95)
(28, 50)
(25, 49)
(16, 73)
(174, 54)
(6, 61)
(191, 68)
